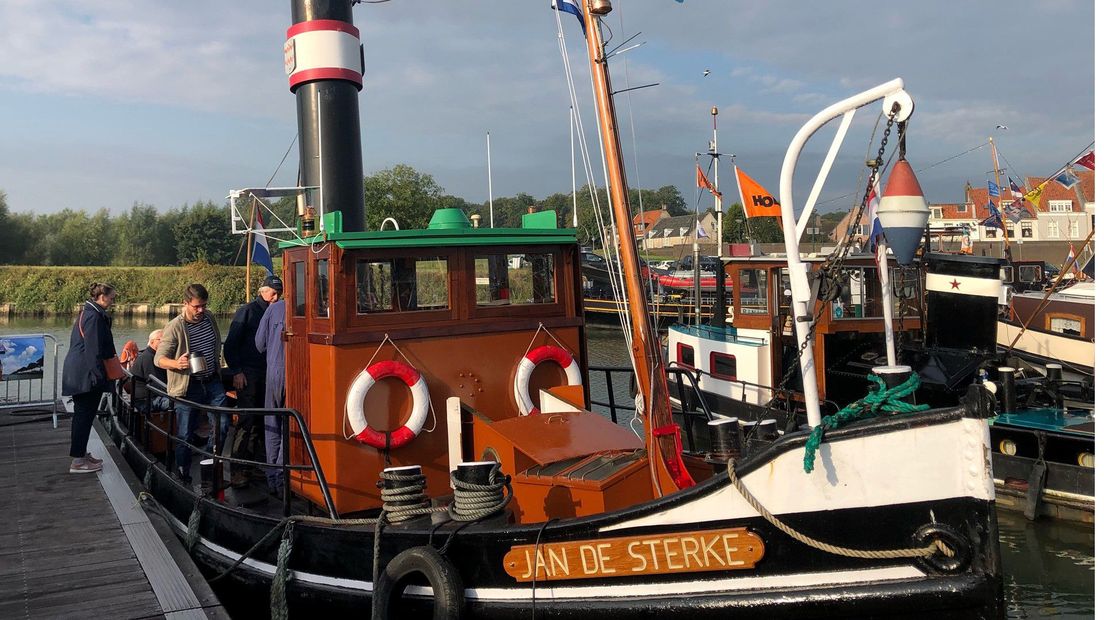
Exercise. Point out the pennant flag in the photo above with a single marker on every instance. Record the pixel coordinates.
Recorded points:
(705, 184)
(1087, 160)
(993, 189)
(1072, 258)
(757, 201)
(1014, 212)
(1015, 189)
(1067, 178)
(1033, 195)
(873, 200)
(261, 256)
(701, 231)
(994, 219)
(570, 6)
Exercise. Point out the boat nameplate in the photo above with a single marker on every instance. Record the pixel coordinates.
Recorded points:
(676, 552)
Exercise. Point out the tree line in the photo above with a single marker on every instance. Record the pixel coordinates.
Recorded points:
(200, 232)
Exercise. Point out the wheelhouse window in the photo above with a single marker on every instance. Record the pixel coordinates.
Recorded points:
(753, 291)
(1065, 325)
(514, 279)
(686, 355)
(1030, 273)
(401, 284)
(322, 286)
(862, 294)
(300, 284)
(722, 366)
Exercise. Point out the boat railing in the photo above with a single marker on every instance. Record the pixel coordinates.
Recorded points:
(690, 384)
(154, 389)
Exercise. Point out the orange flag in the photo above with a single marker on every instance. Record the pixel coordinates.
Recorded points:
(757, 201)
(705, 184)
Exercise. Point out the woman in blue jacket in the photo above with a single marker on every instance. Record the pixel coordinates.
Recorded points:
(83, 375)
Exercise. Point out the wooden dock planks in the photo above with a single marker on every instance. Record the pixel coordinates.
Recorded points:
(63, 551)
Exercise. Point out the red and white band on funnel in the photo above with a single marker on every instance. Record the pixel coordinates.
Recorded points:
(323, 49)
(903, 212)
(354, 405)
(529, 363)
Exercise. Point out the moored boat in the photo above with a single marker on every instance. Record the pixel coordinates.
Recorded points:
(439, 423)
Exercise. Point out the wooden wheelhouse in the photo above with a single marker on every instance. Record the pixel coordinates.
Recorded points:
(461, 305)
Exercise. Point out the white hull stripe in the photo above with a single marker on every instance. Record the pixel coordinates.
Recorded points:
(635, 589)
(923, 464)
(963, 285)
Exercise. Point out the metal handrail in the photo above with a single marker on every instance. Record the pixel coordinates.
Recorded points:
(285, 412)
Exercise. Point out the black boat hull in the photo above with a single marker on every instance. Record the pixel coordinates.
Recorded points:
(332, 564)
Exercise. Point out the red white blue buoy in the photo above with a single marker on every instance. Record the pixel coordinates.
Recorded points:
(903, 212)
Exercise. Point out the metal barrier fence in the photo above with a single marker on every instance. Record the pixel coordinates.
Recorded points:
(29, 372)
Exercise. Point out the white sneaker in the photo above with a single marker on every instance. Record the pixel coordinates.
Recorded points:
(84, 466)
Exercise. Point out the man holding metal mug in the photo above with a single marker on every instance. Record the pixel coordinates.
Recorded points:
(190, 350)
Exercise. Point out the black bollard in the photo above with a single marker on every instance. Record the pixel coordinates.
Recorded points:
(206, 475)
(895, 376)
(1054, 383)
(1006, 388)
(479, 472)
(726, 438)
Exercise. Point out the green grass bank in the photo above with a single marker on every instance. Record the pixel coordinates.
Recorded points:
(34, 290)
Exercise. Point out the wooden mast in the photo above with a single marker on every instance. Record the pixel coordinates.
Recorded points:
(660, 431)
(1000, 209)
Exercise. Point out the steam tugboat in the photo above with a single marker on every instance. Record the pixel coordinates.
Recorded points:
(442, 457)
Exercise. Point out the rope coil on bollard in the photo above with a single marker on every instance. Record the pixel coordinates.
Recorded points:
(472, 502)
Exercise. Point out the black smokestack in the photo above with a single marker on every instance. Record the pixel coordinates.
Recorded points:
(325, 63)
(962, 294)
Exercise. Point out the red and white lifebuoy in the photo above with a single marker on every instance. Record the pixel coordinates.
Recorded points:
(529, 364)
(354, 404)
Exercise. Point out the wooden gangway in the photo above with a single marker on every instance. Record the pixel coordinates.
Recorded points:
(78, 546)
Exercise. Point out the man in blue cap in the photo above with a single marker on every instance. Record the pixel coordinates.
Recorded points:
(248, 366)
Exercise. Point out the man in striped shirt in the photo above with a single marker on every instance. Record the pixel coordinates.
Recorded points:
(193, 334)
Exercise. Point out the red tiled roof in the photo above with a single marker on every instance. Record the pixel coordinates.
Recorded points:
(650, 218)
(1055, 191)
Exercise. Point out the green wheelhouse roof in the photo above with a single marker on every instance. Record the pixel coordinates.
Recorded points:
(449, 227)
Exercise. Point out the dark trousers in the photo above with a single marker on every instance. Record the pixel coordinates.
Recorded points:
(248, 442)
(84, 413)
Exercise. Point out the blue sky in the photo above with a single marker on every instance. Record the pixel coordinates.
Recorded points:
(113, 102)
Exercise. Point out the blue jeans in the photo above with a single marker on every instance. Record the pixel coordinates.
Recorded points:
(209, 393)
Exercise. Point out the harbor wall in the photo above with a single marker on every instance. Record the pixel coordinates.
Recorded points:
(142, 291)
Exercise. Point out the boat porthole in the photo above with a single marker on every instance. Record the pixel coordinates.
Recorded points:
(1086, 459)
(1007, 446)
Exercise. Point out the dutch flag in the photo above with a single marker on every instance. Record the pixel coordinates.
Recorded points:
(875, 223)
(570, 6)
(261, 255)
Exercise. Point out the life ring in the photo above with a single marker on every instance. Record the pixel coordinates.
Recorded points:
(354, 405)
(443, 578)
(529, 363)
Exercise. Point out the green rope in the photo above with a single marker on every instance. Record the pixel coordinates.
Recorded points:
(879, 400)
(278, 595)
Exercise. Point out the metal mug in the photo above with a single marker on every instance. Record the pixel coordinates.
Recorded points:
(198, 363)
